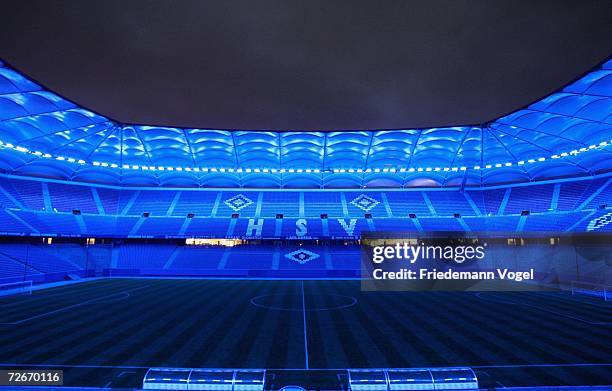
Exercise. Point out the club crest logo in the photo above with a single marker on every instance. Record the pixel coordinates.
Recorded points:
(600, 222)
(302, 256)
(238, 202)
(365, 203)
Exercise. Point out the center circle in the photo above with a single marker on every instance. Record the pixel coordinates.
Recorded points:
(292, 388)
(313, 302)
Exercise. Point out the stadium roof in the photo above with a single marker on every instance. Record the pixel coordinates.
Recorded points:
(567, 133)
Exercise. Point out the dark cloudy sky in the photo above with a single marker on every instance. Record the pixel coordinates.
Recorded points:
(305, 64)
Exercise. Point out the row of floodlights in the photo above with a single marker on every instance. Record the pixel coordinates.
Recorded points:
(301, 170)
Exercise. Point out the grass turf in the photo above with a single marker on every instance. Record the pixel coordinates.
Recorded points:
(294, 324)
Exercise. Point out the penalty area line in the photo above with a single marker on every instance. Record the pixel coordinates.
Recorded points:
(17, 322)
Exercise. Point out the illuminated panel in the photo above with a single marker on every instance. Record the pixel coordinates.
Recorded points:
(213, 380)
(204, 379)
(166, 379)
(411, 379)
(368, 380)
(249, 380)
(454, 378)
(568, 133)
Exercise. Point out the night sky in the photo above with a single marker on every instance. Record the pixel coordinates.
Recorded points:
(305, 64)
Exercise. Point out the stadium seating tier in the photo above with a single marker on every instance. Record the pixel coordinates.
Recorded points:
(32, 207)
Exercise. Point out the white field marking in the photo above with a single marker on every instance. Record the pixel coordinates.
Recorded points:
(72, 306)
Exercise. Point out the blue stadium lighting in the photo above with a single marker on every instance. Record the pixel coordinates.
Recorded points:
(578, 113)
(266, 170)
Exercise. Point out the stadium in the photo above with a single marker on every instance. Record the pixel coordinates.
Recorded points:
(143, 256)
